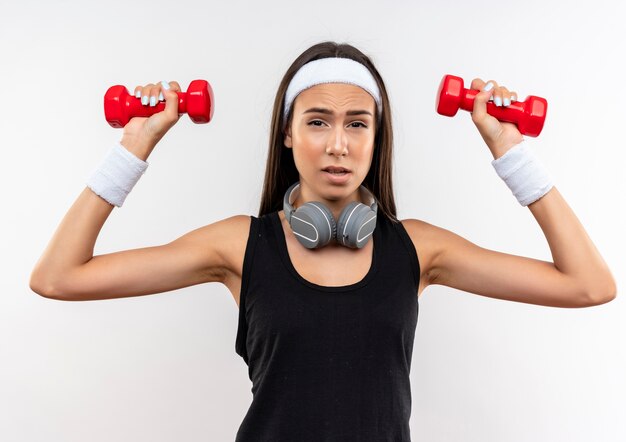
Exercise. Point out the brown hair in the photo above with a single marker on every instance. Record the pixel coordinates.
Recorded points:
(281, 172)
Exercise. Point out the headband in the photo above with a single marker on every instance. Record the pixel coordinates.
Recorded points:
(332, 70)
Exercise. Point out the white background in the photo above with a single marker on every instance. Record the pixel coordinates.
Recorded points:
(163, 367)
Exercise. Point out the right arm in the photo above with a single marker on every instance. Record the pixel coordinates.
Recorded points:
(68, 270)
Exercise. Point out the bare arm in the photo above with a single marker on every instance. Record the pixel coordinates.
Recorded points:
(574, 254)
(72, 243)
(578, 277)
(68, 270)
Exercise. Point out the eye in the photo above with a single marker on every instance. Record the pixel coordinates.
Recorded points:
(358, 122)
(312, 123)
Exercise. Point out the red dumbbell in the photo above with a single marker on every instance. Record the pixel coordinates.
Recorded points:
(529, 115)
(197, 102)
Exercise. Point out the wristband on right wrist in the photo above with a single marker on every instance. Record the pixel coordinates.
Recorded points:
(524, 173)
(117, 175)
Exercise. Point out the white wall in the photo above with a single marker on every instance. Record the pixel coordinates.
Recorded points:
(163, 367)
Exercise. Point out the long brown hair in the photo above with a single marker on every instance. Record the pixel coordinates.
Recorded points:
(280, 170)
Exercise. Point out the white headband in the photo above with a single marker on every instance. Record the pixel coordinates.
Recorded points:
(332, 70)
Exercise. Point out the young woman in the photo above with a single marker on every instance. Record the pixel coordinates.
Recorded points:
(326, 278)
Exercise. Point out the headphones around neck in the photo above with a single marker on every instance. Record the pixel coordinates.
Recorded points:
(314, 225)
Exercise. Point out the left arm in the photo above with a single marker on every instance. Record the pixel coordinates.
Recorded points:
(578, 277)
(573, 252)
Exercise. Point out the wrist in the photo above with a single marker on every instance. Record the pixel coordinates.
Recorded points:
(140, 150)
(117, 175)
(524, 174)
(499, 150)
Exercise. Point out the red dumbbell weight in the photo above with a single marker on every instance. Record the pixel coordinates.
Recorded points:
(197, 102)
(529, 115)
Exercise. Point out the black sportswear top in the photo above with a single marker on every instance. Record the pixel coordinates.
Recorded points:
(327, 364)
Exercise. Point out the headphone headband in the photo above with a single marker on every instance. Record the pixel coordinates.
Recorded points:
(290, 197)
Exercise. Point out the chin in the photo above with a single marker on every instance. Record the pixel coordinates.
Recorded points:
(338, 193)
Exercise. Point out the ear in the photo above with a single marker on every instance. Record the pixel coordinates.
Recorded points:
(288, 142)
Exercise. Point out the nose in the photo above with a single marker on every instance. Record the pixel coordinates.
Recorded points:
(337, 142)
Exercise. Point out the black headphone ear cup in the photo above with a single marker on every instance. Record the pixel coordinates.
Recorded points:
(313, 225)
(355, 225)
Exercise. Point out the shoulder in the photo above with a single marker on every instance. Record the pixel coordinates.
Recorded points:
(429, 242)
(219, 233)
(219, 247)
(234, 228)
(418, 230)
(231, 238)
(236, 224)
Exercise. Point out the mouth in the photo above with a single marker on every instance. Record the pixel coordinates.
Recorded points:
(336, 170)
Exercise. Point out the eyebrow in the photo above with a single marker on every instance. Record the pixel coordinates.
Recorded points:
(323, 110)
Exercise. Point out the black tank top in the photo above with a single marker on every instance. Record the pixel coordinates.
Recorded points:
(327, 364)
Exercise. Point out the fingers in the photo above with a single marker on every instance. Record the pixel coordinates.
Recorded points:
(490, 91)
(503, 97)
(151, 94)
(485, 93)
(477, 84)
(171, 99)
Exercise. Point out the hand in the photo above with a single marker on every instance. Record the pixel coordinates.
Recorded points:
(141, 134)
(499, 136)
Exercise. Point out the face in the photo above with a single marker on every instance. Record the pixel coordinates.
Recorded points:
(333, 125)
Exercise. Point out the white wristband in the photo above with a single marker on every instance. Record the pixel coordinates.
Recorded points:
(524, 173)
(117, 175)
